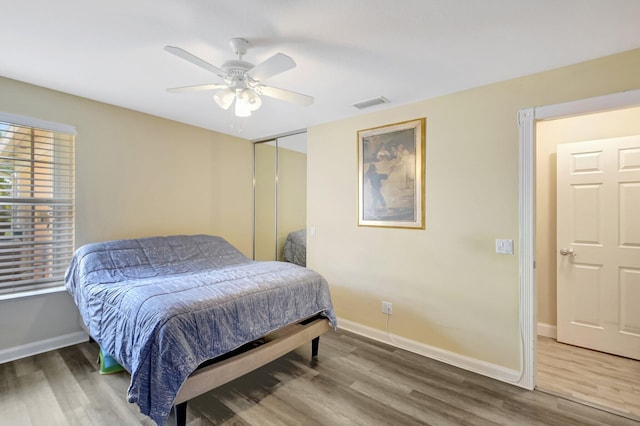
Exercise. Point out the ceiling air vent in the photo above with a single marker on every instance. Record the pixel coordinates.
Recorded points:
(371, 102)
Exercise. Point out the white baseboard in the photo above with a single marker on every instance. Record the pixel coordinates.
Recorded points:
(471, 364)
(547, 330)
(41, 346)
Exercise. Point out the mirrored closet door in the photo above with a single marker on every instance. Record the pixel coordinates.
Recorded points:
(280, 201)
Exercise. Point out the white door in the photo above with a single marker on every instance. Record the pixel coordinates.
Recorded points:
(598, 242)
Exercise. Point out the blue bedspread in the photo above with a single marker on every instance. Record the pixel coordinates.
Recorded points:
(163, 305)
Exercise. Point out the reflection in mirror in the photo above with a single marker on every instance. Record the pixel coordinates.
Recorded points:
(264, 171)
(292, 198)
(280, 172)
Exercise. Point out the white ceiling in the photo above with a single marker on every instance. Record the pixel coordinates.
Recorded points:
(346, 51)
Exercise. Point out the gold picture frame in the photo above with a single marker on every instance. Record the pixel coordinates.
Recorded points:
(391, 162)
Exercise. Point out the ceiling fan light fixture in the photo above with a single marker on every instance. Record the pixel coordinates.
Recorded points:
(252, 99)
(243, 109)
(243, 81)
(224, 98)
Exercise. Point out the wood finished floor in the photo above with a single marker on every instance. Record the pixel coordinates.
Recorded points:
(354, 382)
(595, 378)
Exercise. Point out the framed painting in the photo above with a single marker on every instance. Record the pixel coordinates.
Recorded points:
(391, 175)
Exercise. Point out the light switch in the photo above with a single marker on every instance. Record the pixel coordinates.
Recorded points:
(312, 231)
(504, 246)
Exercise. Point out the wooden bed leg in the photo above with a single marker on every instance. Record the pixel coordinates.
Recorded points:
(314, 347)
(180, 411)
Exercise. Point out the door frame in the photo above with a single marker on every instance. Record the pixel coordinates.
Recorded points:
(527, 119)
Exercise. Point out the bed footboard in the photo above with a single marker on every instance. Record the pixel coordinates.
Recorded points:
(277, 344)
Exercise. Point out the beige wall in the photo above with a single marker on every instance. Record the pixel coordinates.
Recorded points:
(448, 287)
(549, 134)
(136, 176)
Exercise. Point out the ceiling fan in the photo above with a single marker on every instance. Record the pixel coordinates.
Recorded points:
(242, 81)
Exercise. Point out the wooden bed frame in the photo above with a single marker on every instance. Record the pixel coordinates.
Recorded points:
(225, 369)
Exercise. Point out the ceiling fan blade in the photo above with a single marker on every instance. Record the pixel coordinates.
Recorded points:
(195, 60)
(276, 64)
(285, 95)
(197, 88)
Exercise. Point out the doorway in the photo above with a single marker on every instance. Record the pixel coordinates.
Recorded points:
(558, 366)
(526, 211)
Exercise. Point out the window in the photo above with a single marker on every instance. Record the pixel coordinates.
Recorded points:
(36, 203)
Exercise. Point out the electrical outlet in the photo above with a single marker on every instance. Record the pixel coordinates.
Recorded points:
(387, 308)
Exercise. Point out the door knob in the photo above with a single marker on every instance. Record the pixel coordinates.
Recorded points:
(566, 252)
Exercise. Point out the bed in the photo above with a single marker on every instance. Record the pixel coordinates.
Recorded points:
(295, 247)
(163, 306)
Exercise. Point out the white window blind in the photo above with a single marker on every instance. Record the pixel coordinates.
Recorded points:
(36, 203)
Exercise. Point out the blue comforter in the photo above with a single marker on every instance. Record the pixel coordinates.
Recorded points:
(163, 305)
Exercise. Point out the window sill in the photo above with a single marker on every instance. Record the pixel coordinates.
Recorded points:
(29, 293)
